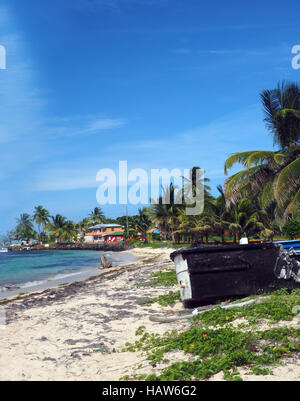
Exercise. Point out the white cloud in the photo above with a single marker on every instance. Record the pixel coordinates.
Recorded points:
(102, 125)
(80, 126)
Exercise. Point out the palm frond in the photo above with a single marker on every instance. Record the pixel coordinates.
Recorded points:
(294, 206)
(239, 181)
(240, 157)
(267, 194)
(287, 182)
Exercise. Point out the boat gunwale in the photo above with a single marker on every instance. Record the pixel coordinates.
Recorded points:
(223, 248)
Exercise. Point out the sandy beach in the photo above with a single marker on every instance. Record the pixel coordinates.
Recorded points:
(52, 334)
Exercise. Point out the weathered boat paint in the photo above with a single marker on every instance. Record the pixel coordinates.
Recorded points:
(209, 273)
(288, 244)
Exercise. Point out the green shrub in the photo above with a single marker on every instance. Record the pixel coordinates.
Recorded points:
(292, 228)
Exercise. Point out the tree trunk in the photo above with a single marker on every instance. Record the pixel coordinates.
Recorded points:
(223, 237)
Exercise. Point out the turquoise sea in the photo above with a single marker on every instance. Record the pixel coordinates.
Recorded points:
(32, 268)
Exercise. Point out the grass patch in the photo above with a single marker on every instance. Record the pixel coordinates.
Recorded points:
(279, 306)
(164, 300)
(212, 349)
(164, 278)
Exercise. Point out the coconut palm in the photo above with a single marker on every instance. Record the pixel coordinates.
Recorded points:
(41, 218)
(282, 113)
(272, 175)
(57, 227)
(143, 223)
(220, 214)
(244, 219)
(165, 212)
(69, 232)
(197, 182)
(97, 216)
(84, 224)
(24, 229)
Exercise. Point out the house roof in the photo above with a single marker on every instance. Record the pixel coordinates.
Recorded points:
(104, 226)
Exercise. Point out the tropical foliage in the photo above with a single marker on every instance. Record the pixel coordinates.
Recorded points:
(97, 216)
(24, 230)
(143, 224)
(62, 229)
(41, 218)
(292, 228)
(260, 201)
(272, 176)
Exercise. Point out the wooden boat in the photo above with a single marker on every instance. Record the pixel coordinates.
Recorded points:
(208, 274)
(295, 244)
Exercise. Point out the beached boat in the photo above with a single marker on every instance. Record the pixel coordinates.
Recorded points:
(208, 274)
(295, 244)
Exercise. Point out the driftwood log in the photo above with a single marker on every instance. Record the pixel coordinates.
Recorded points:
(105, 263)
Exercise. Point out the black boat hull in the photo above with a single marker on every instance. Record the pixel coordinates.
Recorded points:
(207, 274)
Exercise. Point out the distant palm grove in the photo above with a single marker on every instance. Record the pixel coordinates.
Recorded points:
(262, 200)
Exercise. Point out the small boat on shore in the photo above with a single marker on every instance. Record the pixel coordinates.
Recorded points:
(207, 274)
(295, 244)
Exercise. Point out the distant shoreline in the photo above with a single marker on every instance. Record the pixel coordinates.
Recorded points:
(119, 247)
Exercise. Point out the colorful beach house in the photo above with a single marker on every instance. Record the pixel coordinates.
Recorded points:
(104, 233)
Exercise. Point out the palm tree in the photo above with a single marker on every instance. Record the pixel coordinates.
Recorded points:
(57, 227)
(244, 219)
(197, 227)
(69, 232)
(282, 113)
(41, 218)
(196, 181)
(160, 217)
(84, 224)
(272, 175)
(97, 216)
(24, 229)
(165, 212)
(143, 223)
(220, 213)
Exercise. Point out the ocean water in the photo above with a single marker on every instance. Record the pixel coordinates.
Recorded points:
(28, 269)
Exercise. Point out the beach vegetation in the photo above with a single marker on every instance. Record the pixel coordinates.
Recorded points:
(214, 342)
(165, 278)
(168, 299)
(292, 228)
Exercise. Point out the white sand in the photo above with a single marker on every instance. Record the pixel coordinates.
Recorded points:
(51, 335)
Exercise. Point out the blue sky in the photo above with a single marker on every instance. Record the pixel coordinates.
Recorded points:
(159, 83)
